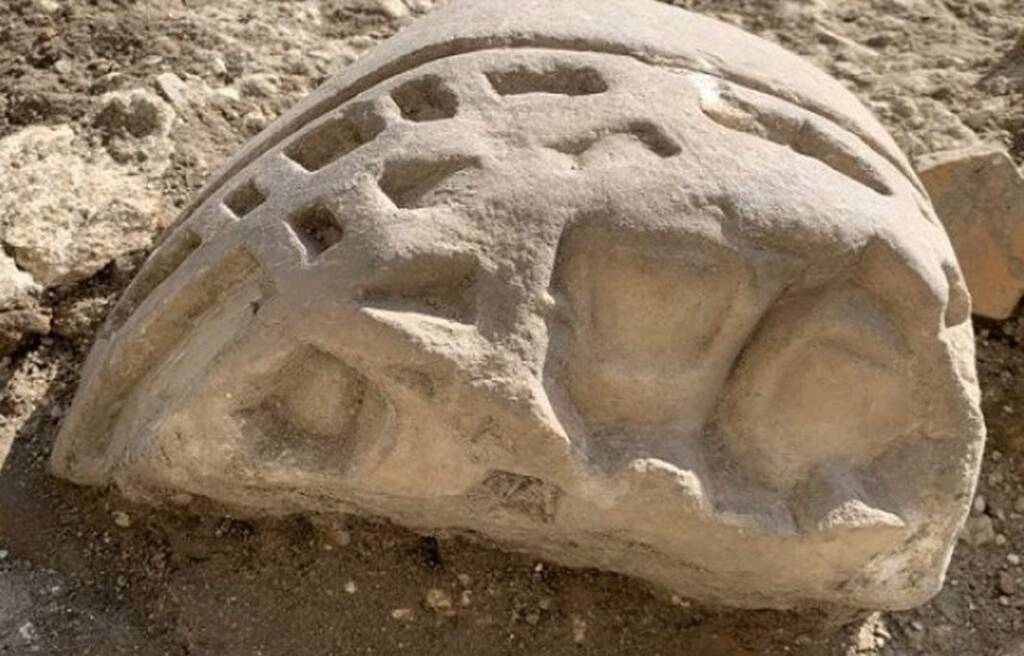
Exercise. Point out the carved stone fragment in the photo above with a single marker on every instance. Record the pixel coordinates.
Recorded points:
(635, 291)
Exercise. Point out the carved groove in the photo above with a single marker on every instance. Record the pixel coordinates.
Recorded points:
(647, 133)
(434, 285)
(468, 45)
(185, 307)
(152, 337)
(408, 183)
(165, 261)
(425, 99)
(564, 80)
(335, 138)
(806, 137)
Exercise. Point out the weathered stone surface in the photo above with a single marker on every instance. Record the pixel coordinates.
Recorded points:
(135, 125)
(978, 194)
(65, 211)
(137, 113)
(14, 284)
(639, 292)
(20, 313)
(173, 89)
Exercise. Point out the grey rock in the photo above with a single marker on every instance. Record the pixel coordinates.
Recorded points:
(978, 531)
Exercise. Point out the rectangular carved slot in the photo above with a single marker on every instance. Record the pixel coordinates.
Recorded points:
(335, 138)
(563, 80)
(408, 182)
(425, 99)
(317, 228)
(245, 199)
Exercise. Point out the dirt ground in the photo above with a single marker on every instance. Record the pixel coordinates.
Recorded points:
(84, 572)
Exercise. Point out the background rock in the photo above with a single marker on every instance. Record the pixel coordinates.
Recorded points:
(20, 312)
(65, 211)
(978, 194)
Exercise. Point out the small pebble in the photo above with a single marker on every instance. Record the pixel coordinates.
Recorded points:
(217, 66)
(465, 580)
(1000, 539)
(440, 602)
(1018, 505)
(350, 587)
(182, 499)
(579, 629)
(121, 519)
(979, 505)
(260, 85)
(1013, 559)
(172, 88)
(1007, 584)
(27, 631)
(978, 531)
(679, 601)
(402, 614)
(47, 6)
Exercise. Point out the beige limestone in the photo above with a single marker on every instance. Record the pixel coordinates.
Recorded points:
(636, 291)
(20, 313)
(67, 211)
(978, 194)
